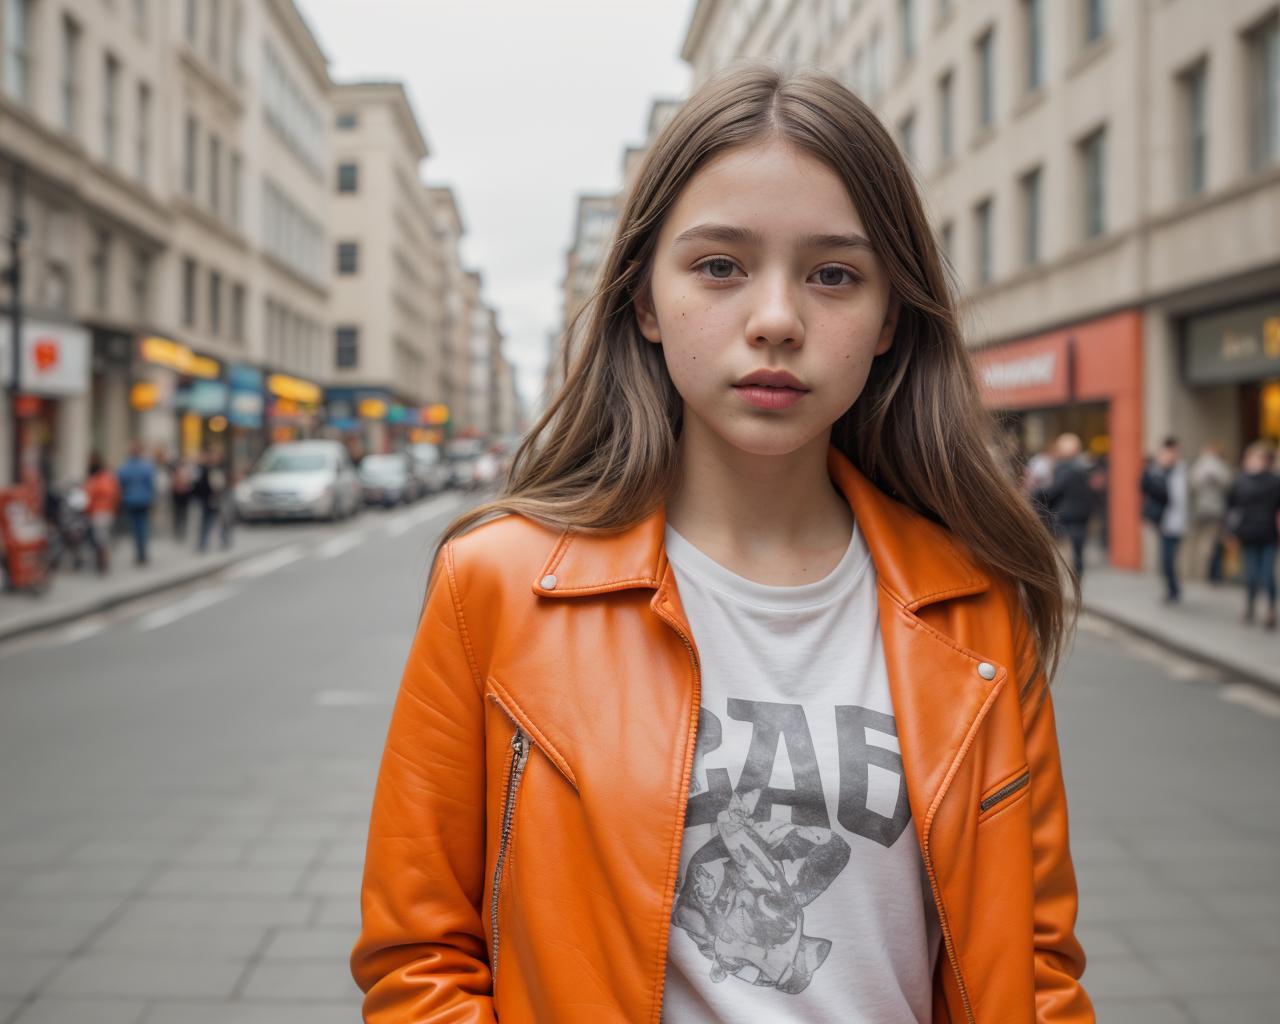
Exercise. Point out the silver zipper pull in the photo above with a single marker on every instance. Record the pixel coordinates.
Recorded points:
(520, 746)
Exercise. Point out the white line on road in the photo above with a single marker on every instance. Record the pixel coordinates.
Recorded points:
(431, 508)
(269, 562)
(195, 603)
(82, 630)
(1252, 697)
(341, 544)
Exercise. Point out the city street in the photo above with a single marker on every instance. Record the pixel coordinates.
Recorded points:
(186, 786)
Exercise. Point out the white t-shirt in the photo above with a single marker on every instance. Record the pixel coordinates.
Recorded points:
(802, 895)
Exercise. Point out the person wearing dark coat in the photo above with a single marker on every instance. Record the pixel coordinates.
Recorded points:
(1253, 503)
(1069, 498)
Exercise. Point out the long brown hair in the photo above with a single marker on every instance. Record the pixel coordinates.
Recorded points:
(603, 454)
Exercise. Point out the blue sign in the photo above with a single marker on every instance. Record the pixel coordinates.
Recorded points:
(244, 407)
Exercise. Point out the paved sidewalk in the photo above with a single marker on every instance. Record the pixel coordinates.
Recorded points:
(1205, 625)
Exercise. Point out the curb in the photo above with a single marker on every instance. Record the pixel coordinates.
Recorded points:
(1180, 646)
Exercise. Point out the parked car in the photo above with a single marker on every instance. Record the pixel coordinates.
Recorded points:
(388, 480)
(463, 454)
(430, 467)
(300, 480)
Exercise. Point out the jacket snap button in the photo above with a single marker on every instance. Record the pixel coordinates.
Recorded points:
(987, 670)
(548, 582)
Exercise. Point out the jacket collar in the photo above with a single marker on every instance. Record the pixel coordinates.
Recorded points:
(917, 561)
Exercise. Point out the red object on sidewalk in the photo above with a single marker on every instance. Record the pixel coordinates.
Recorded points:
(22, 534)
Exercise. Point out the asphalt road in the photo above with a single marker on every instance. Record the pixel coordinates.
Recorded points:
(185, 784)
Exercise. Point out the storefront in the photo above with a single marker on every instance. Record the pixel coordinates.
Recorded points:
(113, 424)
(294, 408)
(1084, 379)
(53, 406)
(1231, 359)
(180, 397)
(359, 416)
(245, 404)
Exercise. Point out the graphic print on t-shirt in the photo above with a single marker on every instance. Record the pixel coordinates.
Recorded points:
(744, 891)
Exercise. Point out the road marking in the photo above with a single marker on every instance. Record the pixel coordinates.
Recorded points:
(82, 630)
(349, 699)
(1253, 697)
(269, 562)
(341, 544)
(195, 603)
(429, 509)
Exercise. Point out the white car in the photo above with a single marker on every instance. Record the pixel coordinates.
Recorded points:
(300, 480)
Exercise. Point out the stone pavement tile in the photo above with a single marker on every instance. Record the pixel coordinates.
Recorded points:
(1102, 940)
(278, 979)
(297, 1012)
(1202, 935)
(1263, 932)
(229, 881)
(346, 853)
(1233, 1010)
(122, 974)
(210, 853)
(1214, 873)
(1086, 849)
(22, 973)
(1140, 1011)
(1108, 875)
(26, 852)
(55, 1010)
(1248, 902)
(1204, 974)
(85, 879)
(327, 944)
(302, 852)
(25, 909)
(217, 941)
(43, 937)
(1149, 903)
(336, 911)
(1122, 977)
(263, 910)
(1221, 848)
(124, 851)
(343, 881)
(308, 828)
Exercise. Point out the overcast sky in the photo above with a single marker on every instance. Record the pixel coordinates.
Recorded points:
(524, 104)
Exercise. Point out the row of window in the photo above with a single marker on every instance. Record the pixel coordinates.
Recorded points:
(292, 340)
(226, 205)
(216, 295)
(289, 234)
(210, 16)
(295, 119)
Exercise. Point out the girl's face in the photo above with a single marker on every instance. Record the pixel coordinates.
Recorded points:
(763, 264)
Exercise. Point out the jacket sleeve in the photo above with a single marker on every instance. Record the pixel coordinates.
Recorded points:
(421, 955)
(1059, 958)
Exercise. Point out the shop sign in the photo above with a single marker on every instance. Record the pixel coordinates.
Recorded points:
(294, 389)
(372, 409)
(207, 397)
(435, 415)
(397, 414)
(244, 403)
(55, 358)
(176, 356)
(144, 396)
(1238, 344)
(1025, 375)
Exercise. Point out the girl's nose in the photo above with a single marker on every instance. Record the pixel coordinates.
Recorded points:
(775, 316)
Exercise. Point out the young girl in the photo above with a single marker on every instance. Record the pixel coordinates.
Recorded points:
(739, 710)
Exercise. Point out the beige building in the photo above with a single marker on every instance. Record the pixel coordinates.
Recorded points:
(456, 371)
(1105, 177)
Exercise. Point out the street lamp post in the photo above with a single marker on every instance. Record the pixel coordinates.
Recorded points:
(13, 274)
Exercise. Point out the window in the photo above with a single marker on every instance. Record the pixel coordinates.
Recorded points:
(17, 49)
(1095, 20)
(1030, 189)
(348, 257)
(192, 21)
(215, 30)
(946, 116)
(236, 174)
(237, 312)
(237, 43)
(346, 121)
(985, 50)
(110, 108)
(348, 342)
(215, 302)
(348, 178)
(57, 286)
(189, 292)
(140, 17)
(142, 133)
(215, 173)
(1192, 85)
(1033, 24)
(907, 28)
(1264, 99)
(70, 75)
(907, 136)
(982, 230)
(191, 140)
(1093, 166)
(101, 265)
(141, 286)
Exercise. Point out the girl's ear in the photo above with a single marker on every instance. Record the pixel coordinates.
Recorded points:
(646, 316)
(885, 341)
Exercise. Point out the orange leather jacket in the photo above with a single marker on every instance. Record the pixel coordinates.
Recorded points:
(528, 815)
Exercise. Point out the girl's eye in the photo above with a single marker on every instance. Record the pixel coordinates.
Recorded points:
(719, 269)
(831, 276)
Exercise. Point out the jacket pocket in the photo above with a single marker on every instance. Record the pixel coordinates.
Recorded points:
(1012, 789)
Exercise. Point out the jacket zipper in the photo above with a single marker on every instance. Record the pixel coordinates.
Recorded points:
(1006, 790)
(519, 757)
(946, 933)
(690, 747)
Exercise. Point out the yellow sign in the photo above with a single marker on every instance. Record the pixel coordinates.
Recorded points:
(421, 435)
(165, 352)
(437, 414)
(283, 386)
(143, 396)
(372, 408)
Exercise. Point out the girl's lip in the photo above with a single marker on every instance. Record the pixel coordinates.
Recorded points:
(769, 398)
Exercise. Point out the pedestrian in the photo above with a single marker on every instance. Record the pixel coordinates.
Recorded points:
(209, 492)
(1209, 477)
(758, 516)
(102, 492)
(1165, 505)
(137, 478)
(164, 485)
(1069, 498)
(182, 476)
(1253, 502)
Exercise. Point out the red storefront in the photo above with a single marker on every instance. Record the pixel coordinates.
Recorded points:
(1086, 378)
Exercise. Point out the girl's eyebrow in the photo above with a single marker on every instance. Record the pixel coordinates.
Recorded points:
(746, 236)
